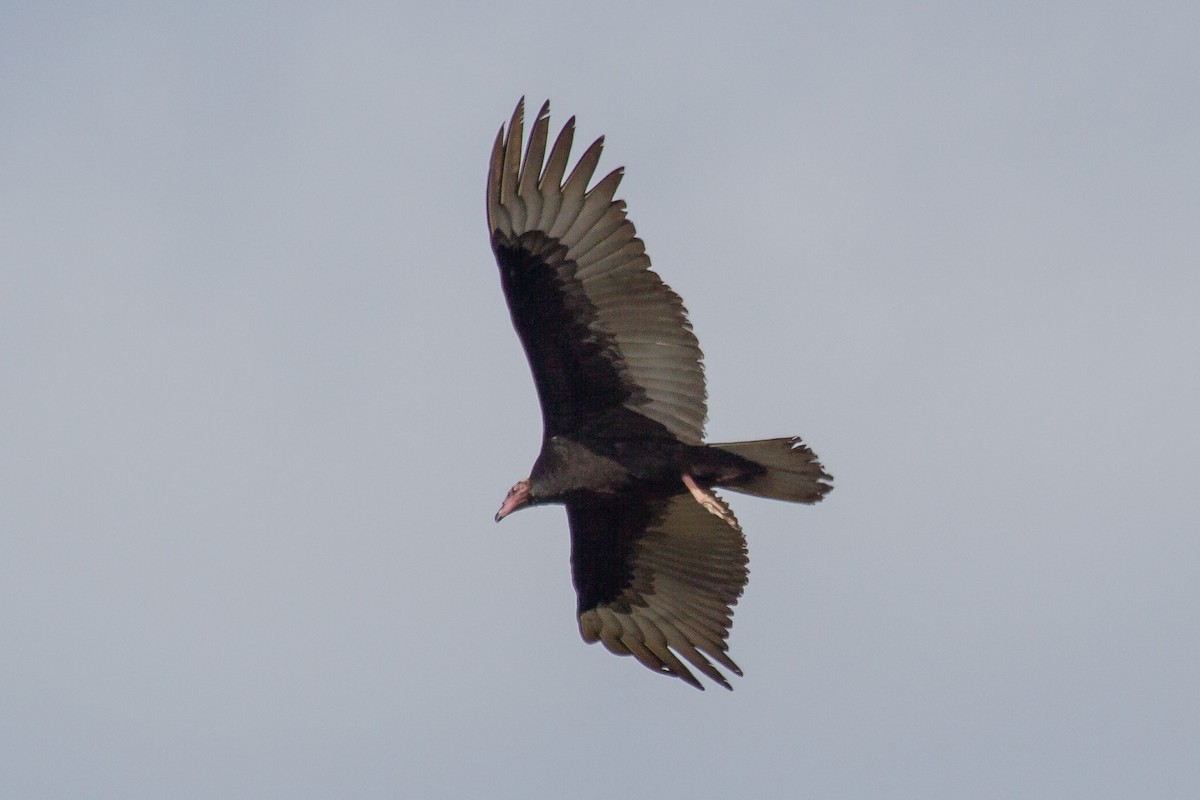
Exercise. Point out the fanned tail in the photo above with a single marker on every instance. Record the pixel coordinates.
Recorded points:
(793, 472)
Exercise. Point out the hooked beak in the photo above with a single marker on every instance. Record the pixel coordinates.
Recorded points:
(518, 497)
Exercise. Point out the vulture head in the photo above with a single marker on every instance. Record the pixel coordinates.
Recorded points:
(518, 497)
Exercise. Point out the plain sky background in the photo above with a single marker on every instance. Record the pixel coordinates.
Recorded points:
(260, 398)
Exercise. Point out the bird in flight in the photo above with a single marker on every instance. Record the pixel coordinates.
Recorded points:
(657, 557)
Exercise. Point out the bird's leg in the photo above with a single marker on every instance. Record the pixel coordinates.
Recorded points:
(709, 501)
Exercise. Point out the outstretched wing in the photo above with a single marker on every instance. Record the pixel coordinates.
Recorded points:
(658, 580)
(600, 329)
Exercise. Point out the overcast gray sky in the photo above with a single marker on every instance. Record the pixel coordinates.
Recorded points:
(260, 397)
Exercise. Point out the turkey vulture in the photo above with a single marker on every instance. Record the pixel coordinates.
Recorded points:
(658, 559)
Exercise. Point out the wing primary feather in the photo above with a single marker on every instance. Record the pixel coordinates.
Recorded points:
(534, 152)
(495, 173)
(512, 168)
(585, 167)
(574, 191)
(610, 636)
(707, 635)
(600, 218)
(633, 639)
(681, 645)
(556, 164)
(656, 642)
(609, 233)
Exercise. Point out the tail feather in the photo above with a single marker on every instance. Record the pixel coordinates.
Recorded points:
(792, 473)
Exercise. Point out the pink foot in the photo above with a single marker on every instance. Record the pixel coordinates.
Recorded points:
(711, 503)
